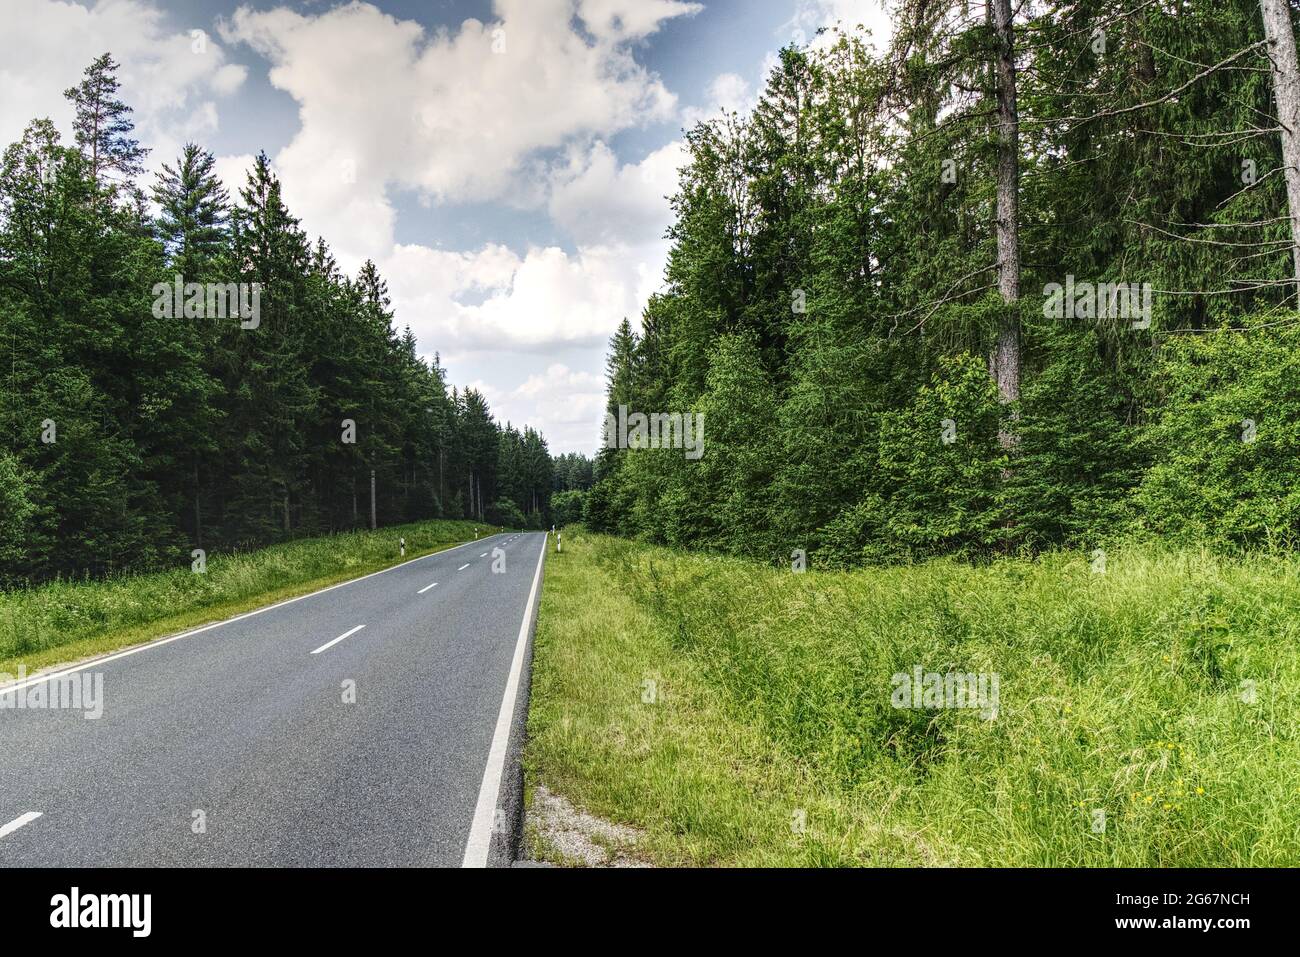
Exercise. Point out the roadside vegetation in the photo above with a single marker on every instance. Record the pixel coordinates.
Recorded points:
(135, 430)
(738, 714)
(65, 620)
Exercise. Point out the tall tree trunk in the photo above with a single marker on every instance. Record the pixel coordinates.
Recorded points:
(198, 515)
(1286, 91)
(1005, 361)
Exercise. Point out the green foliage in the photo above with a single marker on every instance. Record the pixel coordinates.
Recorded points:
(506, 513)
(1125, 693)
(567, 507)
(939, 469)
(844, 230)
(171, 432)
(1226, 467)
(1080, 454)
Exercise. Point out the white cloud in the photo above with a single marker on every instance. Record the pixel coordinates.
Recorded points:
(456, 115)
(169, 83)
(570, 402)
(630, 19)
(595, 200)
(493, 300)
(233, 172)
(810, 15)
(728, 93)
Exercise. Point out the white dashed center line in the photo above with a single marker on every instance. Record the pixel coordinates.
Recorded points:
(18, 822)
(425, 588)
(331, 644)
(463, 567)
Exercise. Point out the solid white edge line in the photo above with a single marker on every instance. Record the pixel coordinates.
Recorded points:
(425, 589)
(480, 831)
(19, 821)
(159, 642)
(331, 644)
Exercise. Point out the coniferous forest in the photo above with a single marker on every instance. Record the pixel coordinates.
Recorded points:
(133, 437)
(1002, 287)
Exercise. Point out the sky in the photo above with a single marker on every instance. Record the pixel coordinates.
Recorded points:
(506, 163)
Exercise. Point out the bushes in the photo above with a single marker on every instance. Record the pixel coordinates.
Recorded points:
(507, 513)
(566, 507)
(1227, 448)
(1079, 454)
(16, 510)
(939, 469)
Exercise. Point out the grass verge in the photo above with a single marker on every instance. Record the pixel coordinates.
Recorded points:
(65, 621)
(740, 715)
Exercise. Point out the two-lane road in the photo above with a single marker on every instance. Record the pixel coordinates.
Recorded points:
(371, 723)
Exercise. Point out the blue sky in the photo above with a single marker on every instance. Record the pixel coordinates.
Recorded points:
(504, 162)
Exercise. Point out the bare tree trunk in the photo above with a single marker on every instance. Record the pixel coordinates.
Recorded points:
(1005, 361)
(1286, 91)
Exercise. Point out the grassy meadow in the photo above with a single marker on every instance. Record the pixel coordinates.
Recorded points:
(741, 715)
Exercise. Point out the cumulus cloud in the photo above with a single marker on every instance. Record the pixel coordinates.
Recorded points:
(848, 15)
(728, 93)
(170, 76)
(457, 115)
(595, 199)
(570, 402)
(493, 299)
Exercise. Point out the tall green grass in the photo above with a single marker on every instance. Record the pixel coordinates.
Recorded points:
(60, 620)
(1163, 692)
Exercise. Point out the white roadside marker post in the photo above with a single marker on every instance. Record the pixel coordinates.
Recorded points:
(402, 541)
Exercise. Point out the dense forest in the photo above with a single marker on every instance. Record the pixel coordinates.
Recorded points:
(133, 434)
(1019, 281)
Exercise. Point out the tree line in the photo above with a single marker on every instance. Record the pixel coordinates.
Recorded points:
(1022, 280)
(135, 433)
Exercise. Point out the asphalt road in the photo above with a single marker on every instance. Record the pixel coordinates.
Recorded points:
(246, 723)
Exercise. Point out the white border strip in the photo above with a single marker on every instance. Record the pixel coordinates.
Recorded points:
(159, 642)
(480, 831)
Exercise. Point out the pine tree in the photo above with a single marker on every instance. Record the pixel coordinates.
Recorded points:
(193, 211)
(103, 125)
